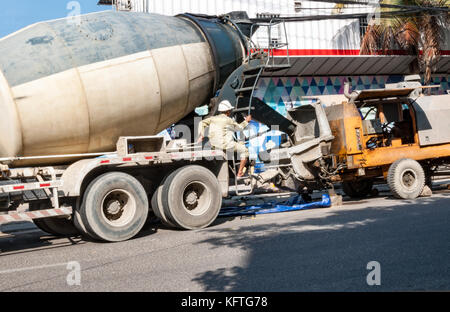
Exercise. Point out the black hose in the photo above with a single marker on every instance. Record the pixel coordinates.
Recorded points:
(332, 16)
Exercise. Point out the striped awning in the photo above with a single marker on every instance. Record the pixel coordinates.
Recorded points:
(344, 65)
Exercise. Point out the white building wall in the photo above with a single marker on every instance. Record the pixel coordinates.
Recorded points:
(303, 36)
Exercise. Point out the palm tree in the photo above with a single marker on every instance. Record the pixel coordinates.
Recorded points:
(420, 33)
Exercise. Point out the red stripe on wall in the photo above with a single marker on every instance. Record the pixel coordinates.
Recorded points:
(305, 52)
(298, 52)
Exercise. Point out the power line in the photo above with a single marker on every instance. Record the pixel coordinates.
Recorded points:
(385, 5)
(389, 14)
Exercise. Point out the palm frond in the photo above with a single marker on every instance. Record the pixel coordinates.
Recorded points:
(389, 39)
(432, 39)
(408, 35)
(420, 34)
(369, 44)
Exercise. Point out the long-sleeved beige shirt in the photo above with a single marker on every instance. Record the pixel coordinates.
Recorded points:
(221, 130)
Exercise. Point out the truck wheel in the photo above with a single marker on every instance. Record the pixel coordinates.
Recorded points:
(57, 226)
(157, 206)
(406, 178)
(191, 197)
(41, 225)
(4, 204)
(78, 222)
(114, 207)
(54, 226)
(357, 189)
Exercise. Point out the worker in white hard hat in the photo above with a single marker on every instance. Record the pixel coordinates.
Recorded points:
(221, 131)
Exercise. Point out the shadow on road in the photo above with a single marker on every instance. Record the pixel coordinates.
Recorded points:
(21, 243)
(330, 253)
(25, 242)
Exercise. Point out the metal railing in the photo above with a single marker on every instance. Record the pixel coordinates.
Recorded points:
(270, 37)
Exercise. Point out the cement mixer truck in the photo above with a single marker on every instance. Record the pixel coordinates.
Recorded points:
(81, 103)
(70, 91)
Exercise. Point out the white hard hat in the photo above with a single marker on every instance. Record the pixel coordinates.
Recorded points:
(225, 106)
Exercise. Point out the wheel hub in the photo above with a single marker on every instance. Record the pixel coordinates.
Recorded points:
(113, 207)
(408, 179)
(118, 207)
(191, 198)
(196, 198)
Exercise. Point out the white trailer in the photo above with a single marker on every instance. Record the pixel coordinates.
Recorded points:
(109, 196)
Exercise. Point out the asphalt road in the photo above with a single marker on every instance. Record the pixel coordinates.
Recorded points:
(313, 250)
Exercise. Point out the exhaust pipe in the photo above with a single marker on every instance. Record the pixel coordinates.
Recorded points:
(347, 91)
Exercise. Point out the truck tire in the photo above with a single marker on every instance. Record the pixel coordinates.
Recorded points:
(54, 226)
(4, 204)
(114, 207)
(57, 226)
(157, 205)
(78, 222)
(357, 189)
(406, 178)
(191, 197)
(41, 225)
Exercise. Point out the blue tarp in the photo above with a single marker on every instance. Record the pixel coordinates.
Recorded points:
(293, 204)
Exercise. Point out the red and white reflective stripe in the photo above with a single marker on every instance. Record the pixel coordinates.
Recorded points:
(160, 156)
(186, 155)
(30, 186)
(121, 160)
(190, 155)
(38, 214)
